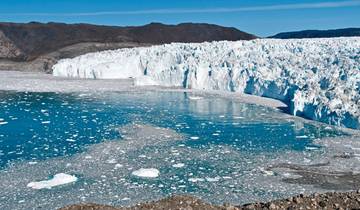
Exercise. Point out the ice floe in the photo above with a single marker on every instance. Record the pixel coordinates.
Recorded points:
(58, 179)
(146, 172)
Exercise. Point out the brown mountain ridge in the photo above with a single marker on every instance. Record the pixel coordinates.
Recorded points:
(37, 46)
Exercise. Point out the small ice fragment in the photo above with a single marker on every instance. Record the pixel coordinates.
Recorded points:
(118, 165)
(45, 122)
(195, 97)
(311, 148)
(215, 179)
(194, 138)
(146, 172)
(301, 137)
(178, 165)
(196, 180)
(238, 117)
(32, 163)
(111, 161)
(70, 140)
(227, 177)
(58, 179)
(266, 172)
(3, 123)
(215, 134)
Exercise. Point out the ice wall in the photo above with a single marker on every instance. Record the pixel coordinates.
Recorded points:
(318, 78)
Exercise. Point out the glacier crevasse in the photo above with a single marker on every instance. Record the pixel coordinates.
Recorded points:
(318, 78)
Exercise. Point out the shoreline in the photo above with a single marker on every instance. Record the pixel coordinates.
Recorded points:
(41, 82)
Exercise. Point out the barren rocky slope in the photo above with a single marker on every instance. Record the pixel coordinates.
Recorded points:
(335, 200)
(37, 46)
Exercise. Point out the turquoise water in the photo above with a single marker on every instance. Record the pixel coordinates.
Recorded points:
(216, 139)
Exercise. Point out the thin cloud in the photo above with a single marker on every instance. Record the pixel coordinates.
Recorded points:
(319, 5)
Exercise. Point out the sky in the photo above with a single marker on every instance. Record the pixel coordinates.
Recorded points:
(263, 18)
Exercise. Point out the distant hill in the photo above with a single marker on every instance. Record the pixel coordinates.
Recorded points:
(53, 41)
(346, 32)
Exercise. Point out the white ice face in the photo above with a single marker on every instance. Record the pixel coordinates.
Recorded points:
(317, 78)
(57, 180)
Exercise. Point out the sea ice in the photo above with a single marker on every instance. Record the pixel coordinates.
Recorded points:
(58, 179)
(146, 172)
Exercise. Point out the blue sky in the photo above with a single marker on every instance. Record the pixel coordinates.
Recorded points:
(262, 18)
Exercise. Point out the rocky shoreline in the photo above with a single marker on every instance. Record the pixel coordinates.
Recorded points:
(331, 200)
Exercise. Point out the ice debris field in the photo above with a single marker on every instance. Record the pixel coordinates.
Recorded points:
(318, 78)
(122, 148)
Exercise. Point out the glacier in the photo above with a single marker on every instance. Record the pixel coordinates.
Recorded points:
(318, 79)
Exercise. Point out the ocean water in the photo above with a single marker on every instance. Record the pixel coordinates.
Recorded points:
(217, 149)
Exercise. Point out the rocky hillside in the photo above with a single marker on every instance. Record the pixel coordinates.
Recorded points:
(346, 32)
(37, 46)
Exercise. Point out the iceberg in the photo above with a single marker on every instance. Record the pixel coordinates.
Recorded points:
(58, 179)
(318, 79)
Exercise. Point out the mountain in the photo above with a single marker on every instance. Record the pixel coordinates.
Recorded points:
(38, 46)
(346, 32)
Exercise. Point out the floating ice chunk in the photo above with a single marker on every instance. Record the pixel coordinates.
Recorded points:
(311, 148)
(3, 123)
(194, 138)
(45, 122)
(301, 137)
(196, 180)
(215, 179)
(118, 165)
(178, 165)
(146, 172)
(58, 179)
(195, 97)
(111, 161)
(266, 172)
(238, 117)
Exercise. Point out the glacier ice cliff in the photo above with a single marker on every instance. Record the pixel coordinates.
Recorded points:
(318, 78)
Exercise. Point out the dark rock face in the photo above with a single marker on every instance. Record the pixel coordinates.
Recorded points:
(26, 42)
(346, 32)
